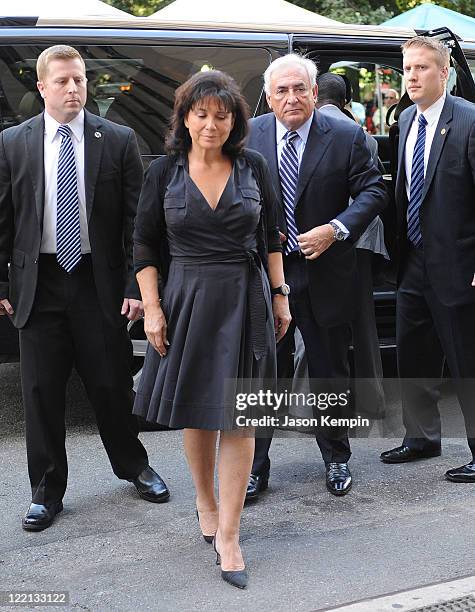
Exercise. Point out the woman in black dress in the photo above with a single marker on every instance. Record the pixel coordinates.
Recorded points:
(206, 227)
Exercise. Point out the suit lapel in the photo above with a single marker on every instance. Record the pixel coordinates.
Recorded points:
(94, 136)
(440, 136)
(35, 156)
(269, 151)
(319, 137)
(404, 129)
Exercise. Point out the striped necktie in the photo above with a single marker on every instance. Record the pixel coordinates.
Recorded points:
(68, 228)
(417, 185)
(289, 174)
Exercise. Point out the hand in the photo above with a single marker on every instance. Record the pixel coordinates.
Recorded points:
(155, 327)
(282, 318)
(473, 281)
(316, 241)
(5, 308)
(132, 309)
(282, 237)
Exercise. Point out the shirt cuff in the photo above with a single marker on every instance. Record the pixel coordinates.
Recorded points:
(344, 229)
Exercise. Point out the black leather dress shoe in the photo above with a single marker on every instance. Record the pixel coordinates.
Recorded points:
(404, 454)
(150, 486)
(40, 517)
(256, 485)
(339, 479)
(464, 473)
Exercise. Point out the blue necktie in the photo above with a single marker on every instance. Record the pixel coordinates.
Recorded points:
(68, 228)
(289, 173)
(417, 185)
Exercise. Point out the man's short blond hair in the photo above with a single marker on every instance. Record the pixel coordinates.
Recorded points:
(440, 50)
(61, 52)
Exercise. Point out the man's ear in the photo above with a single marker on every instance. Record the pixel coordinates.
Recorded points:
(268, 101)
(315, 92)
(41, 88)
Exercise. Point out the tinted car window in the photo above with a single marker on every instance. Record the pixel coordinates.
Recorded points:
(375, 88)
(131, 85)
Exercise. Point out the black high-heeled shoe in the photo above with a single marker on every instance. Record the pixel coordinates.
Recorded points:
(207, 538)
(237, 578)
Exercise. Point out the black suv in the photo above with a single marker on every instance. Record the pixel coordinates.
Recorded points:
(133, 70)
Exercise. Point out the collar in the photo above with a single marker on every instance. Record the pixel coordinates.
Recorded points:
(432, 113)
(76, 125)
(329, 105)
(302, 131)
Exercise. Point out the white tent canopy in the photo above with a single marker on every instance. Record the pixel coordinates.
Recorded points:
(289, 27)
(59, 9)
(238, 12)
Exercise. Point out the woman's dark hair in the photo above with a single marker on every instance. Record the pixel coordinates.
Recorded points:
(215, 85)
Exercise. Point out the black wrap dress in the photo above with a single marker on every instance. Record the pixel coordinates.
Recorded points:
(216, 298)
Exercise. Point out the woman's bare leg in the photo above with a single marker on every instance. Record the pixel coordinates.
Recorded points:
(200, 451)
(236, 452)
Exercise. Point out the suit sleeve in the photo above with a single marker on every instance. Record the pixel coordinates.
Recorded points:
(373, 148)
(132, 177)
(6, 220)
(366, 187)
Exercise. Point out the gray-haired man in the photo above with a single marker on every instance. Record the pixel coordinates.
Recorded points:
(317, 163)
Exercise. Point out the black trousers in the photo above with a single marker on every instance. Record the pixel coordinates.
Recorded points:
(368, 367)
(426, 332)
(67, 328)
(327, 355)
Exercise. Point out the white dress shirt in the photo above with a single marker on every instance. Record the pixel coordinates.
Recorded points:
(432, 116)
(299, 144)
(52, 142)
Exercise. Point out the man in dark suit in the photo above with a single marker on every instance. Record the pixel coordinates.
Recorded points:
(69, 186)
(435, 196)
(318, 163)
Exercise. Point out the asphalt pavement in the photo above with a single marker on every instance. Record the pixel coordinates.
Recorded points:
(401, 527)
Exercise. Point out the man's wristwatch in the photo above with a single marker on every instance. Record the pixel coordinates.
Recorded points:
(338, 233)
(282, 290)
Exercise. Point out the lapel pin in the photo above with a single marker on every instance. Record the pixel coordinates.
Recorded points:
(97, 134)
(442, 131)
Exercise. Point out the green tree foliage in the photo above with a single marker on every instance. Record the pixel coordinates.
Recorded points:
(139, 8)
(466, 7)
(352, 11)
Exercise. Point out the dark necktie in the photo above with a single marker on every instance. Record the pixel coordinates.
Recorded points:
(68, 228)
(289, 174)
(417, 185)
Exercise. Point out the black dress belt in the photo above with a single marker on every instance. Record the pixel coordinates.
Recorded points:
(255, 292)
(50, 258)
